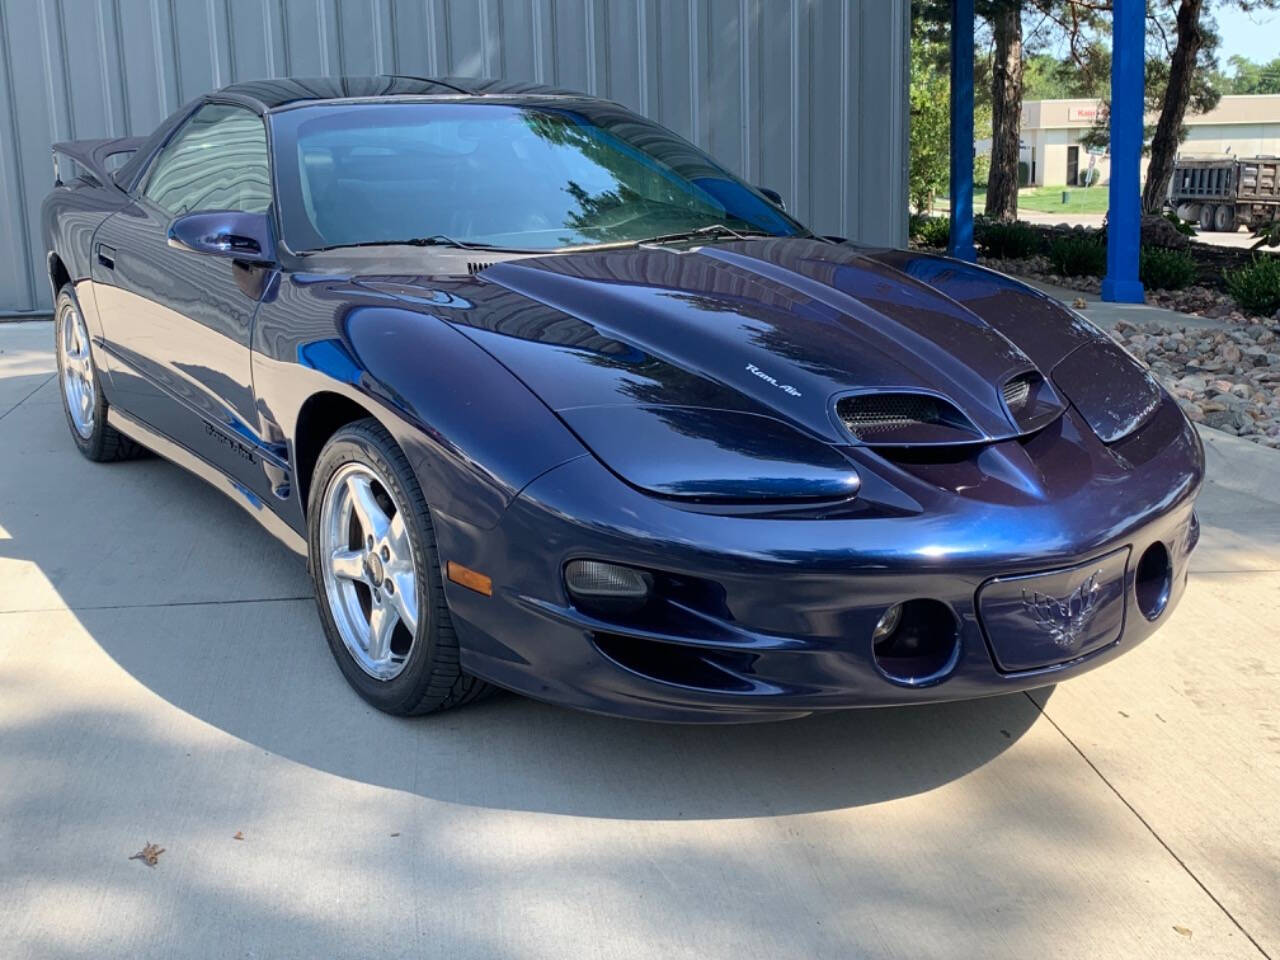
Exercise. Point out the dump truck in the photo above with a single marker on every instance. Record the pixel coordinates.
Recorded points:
(1227, 193)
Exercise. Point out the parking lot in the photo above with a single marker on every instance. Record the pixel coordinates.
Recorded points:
(163, 679)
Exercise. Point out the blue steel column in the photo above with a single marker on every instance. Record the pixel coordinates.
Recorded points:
(1124, 221)
(961, 243)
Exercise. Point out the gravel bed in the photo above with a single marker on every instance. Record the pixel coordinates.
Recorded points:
(1227, 378)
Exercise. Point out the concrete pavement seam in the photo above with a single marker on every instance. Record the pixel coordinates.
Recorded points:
(1150, 829)
(39, 387)
(157, 606)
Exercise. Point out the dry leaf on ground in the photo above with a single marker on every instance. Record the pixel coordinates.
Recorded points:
(150, 854)
(237, 835)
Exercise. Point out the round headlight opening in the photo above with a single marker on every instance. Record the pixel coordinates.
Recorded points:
(1153, 581)
(916, 642)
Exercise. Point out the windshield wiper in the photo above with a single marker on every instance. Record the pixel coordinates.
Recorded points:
(712, 230)
(435, 240)
(440, 240)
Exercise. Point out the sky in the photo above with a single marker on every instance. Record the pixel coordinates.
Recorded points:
(1256, 35)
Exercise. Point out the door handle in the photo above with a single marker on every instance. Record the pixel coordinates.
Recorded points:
(107, 256)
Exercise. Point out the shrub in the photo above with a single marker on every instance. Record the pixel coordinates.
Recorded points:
(1079, 255)
(1182, 226)
(1267, 235)
(931, 231)
(1161, 269)
(1256, 287)
(1008, 241)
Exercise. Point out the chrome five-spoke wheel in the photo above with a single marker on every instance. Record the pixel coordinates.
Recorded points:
(76, 370)
(369, 572)
(376, 570)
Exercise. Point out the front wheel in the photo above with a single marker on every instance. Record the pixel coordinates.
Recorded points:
(377, 577)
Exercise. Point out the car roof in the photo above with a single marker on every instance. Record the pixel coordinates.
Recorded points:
(264, 95)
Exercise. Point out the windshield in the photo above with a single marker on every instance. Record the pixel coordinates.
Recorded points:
(502, 175)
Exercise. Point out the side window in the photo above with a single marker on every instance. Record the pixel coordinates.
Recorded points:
(217, 161)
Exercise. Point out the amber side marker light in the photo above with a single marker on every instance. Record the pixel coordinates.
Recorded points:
(471, 579)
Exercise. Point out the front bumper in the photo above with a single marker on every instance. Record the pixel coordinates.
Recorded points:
(767, 617)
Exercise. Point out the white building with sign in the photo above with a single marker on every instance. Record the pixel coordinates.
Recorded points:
(1052, 131)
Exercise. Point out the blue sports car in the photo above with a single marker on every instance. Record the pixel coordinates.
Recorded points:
(553, 402)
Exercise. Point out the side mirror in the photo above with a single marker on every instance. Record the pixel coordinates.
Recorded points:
(225, 233)
(773, 196)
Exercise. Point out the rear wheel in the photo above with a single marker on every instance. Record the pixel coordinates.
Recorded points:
(1224, 219)
(1207, 214)
(82, 398)
(377, 577)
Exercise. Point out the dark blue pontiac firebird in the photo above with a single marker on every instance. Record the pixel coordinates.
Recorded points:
(552, 402)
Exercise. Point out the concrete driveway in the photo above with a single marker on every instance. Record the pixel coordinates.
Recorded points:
(163, 678)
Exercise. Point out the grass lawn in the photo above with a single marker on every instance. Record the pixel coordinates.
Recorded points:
(1049, 199)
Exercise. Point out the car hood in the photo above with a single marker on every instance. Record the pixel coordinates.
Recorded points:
(644, 348)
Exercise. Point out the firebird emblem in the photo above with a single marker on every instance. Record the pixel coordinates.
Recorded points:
(1064, 620)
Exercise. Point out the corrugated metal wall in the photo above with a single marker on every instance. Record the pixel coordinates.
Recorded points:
(805, 96)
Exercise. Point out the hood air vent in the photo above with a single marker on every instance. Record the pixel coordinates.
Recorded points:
(1030, 400)
(1017, 391)
(900, 419)
(867, 416)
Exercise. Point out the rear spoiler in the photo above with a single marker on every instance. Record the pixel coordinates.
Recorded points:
(92, 156)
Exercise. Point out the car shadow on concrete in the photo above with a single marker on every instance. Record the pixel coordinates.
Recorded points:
(188, 595)
(263, 673)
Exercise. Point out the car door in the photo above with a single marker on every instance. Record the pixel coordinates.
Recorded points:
(177, 323)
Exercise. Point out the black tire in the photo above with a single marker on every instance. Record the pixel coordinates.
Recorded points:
(104, 443)
(1207, 213)
(1224, 219)
(431, 679)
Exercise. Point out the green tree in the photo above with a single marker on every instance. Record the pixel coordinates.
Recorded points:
(1182, 75)
(1000, 70)
(1005, 17)
(930, 123)
(1251, 78)
(1187, 37)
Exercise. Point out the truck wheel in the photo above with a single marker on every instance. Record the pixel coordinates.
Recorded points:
(1224, 219)
(1207, 214)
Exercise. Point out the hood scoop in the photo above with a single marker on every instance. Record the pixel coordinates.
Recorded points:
(782, 327)
(901, 419)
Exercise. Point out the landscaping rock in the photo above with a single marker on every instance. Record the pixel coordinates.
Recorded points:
(1222, 379)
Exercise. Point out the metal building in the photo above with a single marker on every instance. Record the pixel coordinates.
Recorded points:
(805, 96)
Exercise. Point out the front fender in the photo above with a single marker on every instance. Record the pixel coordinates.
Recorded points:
(474, 434)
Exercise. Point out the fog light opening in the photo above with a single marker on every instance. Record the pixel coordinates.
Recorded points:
(888, 623)
(917, 642)
(1153, 580)
(607, 588)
